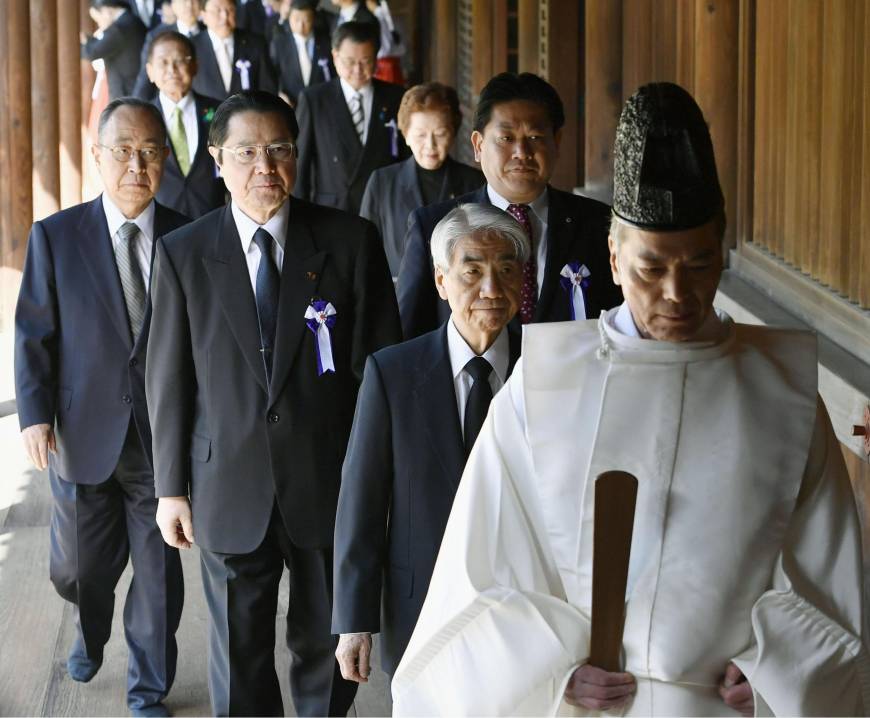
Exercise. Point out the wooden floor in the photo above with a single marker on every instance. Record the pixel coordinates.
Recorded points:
(36, 626)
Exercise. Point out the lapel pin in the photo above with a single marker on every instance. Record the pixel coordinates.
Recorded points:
(568, 220)
(311, 276)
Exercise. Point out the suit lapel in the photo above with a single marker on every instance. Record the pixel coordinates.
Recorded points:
(515, 345)
(300, 277)
(95, 245)
(201, 153)
(161, 227)
(410, 183)
(435, 399)
(228, 273)
(207, 63)
(561, 225)
(345, 130)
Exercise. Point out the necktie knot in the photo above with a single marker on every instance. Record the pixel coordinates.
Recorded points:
(479, 368)
(520, 212)
(263, 240)
(128, 231)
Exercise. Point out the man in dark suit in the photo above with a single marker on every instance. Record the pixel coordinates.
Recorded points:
(259, 17)
(420, 408)
(301, 55)
(119, 46)
(230, 60)
(190, 182)
(186, 22)
(348, 126)
(264, 313)
(517, 128)
(81, 329)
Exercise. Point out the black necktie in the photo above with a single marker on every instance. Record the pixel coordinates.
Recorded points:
(268, 287)
(478, 399)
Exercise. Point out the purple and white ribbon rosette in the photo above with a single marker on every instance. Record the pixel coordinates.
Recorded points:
(244, 67)
(394, 137)
(324, 65)
(575, 280)
(320, 319)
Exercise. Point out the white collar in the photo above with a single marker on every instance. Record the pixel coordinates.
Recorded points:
(366, 90)
(540, 205)
(301, 39)
(498, 354)
(187, 30)
(348, 12)
(621, 321)
(115, 218)
(276, 226)
(169, 104)
(215, 40)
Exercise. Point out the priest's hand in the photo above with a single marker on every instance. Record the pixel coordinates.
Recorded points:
(596, 689)
(736, 691)
(354, 654)
(175, 521)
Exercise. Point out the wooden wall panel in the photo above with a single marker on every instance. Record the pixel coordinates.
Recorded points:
(742, 222)
(566, 75)
(69, 98)
(527, 21)
(44, 105)
(863, 236)
(849, 270)
(685, 41)
(443, 60)
(637, 45)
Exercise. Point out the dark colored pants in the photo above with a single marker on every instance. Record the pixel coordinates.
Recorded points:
(94, 529)
(242, 596)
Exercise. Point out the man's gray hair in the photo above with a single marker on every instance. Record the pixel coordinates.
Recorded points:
(470, 219)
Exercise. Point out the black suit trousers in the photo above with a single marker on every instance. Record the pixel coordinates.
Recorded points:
(242, 595)
(95, 528)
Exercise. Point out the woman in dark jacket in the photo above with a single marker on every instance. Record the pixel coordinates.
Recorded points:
(429, 118)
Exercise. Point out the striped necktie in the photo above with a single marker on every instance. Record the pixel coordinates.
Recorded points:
(130, 273)
(358, 115)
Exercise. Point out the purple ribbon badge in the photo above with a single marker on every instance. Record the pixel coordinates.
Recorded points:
(324, 66)
(394, 137)
(575, 281)
(244, 67)
(320, 319)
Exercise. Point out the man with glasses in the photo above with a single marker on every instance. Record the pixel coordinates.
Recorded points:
(190, 182)
(230, 59)
(264, 314)
(186, 22)
(81, 329)
(347, 127)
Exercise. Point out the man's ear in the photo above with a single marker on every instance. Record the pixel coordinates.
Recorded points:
(476, 142)
(614, 263)
(439, 283)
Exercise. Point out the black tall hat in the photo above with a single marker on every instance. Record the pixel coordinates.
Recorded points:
(664, 175)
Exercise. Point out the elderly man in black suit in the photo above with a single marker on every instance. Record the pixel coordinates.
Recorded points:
(264, 314)
(186, 22)
(190, 182)
(121, 35)
(301, 54)
(517, 129)
(420, 409)
(230, 60)
(429, 118)
(348, 127)
(81, 330)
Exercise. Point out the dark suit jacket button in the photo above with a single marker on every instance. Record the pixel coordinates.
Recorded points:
(134, 361)
(335, 159)
(274, 418)
(127, 399)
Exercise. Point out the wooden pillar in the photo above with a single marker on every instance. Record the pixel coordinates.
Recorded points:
(444, 42)
(43, 101)
(603, 40)
(716, 61)
(527, 36)
(564, 67)
(69, 103)
(482, 44)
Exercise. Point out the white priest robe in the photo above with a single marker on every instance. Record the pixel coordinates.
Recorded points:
(746, 542)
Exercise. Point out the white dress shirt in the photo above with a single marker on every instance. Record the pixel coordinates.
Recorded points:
(498, 355)
(144, 241)
(276, 226)
(368, 95)
(302, 50)
(185, 30)
(223, 52)
(538, 219)
(145, 10)
(346, 14)
(188, 119)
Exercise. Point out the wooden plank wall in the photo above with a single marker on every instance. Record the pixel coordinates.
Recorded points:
(812, 152)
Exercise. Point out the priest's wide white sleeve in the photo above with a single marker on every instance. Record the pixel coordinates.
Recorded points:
(809, 656)
(483, 646)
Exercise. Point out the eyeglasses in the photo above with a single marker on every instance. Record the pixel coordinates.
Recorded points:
(173, 62)
(125, 154)
(349, 63)
(248, 154)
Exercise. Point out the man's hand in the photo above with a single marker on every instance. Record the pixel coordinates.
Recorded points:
(354, 653)
(736, 691)
(38, 441)
(596, 689)
(175, 521)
